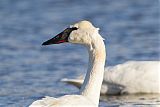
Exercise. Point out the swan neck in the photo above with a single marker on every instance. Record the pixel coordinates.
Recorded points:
(92, 84)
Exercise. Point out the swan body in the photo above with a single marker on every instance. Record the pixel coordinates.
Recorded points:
(64, 101)
(128, 78)
(86, 34)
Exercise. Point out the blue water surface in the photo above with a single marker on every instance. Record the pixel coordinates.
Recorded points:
(29, 71)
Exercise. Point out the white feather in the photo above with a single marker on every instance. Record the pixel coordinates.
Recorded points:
(130, 77)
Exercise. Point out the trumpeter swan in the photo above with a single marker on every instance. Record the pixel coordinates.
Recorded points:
(86, 34)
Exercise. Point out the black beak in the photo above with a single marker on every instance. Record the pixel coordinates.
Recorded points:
(61, 37)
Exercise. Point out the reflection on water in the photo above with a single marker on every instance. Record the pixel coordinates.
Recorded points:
(137, 100)
(29, 71)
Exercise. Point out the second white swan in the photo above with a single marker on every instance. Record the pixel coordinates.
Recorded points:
(131, 77)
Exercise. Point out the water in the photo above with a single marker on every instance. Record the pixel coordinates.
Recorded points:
(29, 71)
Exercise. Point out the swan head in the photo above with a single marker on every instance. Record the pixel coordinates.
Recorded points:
(82, 32)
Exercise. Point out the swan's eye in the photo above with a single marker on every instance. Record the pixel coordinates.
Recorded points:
(74, 28)
(69, 30)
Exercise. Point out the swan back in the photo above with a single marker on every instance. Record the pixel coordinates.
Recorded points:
(64, 101)
(136, 76)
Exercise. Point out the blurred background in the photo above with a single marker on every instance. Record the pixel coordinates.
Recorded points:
(29, 71)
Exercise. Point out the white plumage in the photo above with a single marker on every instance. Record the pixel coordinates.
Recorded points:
(86, 34)
(64, 101)
(130, 77)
